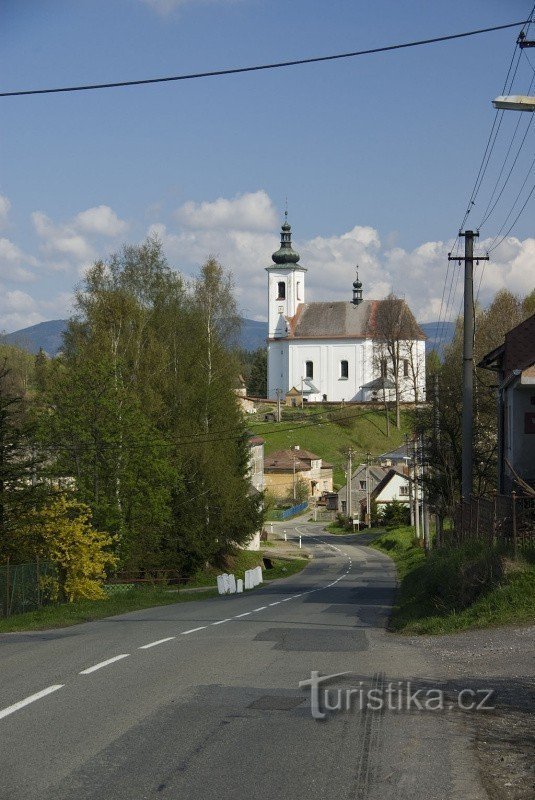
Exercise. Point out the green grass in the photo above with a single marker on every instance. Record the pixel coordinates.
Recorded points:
(366, 433)
(122, 599)
(456, 589)
(61, 616)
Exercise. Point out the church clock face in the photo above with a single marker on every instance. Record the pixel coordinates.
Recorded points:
(281, 309)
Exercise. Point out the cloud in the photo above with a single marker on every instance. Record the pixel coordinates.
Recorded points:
(249, 212)
(18, 310)
(101, 220)
(167, 6)
(11, 260)
(5, 205)
(71, 244)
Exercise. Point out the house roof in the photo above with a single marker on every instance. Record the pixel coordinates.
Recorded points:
(517, 352)
(347, 320)
(386, 480)
(285, 459)
(399, 454)
(379, 383)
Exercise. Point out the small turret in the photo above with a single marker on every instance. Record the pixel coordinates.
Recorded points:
(357, 291)
(286, 254)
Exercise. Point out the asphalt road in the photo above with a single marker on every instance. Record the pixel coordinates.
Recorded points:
(202, 699)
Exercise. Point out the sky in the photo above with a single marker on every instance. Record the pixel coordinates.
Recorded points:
(376, 155)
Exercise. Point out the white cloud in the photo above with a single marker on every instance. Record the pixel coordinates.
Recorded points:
(5, 205)
(11, 260)
(101, 220)
(253, 211)
(18, 310)
(167, 6)
(71, 244)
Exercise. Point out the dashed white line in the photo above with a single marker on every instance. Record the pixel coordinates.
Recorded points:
(103, 664)
(153, 644)
(243, 615)
(258, 609)
(194, 630)
(275, 604)
(221, 621)
(5, 712)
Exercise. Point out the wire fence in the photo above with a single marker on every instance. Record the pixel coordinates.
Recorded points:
(289, 512)
(25, 587)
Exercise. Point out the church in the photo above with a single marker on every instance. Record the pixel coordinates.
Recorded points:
(338, 351)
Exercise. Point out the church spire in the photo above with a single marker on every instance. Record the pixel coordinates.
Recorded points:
(286, 254)
(357, 290)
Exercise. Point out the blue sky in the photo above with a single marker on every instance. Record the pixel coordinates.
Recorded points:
(377, 155)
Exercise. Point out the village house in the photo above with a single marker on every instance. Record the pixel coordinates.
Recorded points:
(256, 478)
(284, 468)
(383, 485)
(514, 363)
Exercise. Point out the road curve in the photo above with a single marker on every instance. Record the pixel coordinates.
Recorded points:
(203, 700)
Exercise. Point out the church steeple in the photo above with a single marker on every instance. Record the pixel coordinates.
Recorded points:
(357, 291)
(286, 254)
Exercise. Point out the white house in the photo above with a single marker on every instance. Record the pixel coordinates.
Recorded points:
(334, 349)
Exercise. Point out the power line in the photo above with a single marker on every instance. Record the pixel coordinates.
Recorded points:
(259, 67)
(506, 234)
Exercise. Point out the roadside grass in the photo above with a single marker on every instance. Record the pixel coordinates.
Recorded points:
(124, 598)
(457, 589)
(66, 614)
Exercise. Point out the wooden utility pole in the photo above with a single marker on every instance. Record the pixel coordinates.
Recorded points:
(349, 481)
(468, 360)
(368, 498)
(416, 488)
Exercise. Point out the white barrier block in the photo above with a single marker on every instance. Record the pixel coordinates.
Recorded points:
(232, 584)
(239, 585)
(221, 588)
(258, 575)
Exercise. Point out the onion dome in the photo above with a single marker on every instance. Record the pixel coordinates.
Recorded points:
(357, 291)
(286, 254)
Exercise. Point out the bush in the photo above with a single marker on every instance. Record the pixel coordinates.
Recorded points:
(394, 514)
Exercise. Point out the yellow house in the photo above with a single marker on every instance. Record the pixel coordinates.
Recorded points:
(284, 468)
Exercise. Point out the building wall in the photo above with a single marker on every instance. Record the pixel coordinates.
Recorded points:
(281, 483)
(519, 442)
(392, 490)
(294, 281)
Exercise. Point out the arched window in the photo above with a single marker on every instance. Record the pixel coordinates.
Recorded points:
(282, 291)
(298, 289)
(344, 369)
(309, 369)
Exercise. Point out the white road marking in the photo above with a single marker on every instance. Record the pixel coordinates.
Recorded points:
(243, 615)
(275, 604)
(5, 712)
(103, 664)
(259, 609)
(153, 644)
(221, 621)
(194, 630)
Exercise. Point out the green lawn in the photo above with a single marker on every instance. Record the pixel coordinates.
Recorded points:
(122, 599)
(458, 589)
(364, 433)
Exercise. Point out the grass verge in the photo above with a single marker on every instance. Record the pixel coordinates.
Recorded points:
(457, 589)
(122, 599)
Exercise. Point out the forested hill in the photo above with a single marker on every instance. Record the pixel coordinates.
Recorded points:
(253, 335)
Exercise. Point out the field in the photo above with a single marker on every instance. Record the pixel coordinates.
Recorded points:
(330, 431)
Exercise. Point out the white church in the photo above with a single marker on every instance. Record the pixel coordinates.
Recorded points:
(335, 350)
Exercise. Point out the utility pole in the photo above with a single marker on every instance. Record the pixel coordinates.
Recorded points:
(416, 489)
(436, 442)
(294, 482)
(408, 460)
(368, 499)
(468, 359)
(425, 497)
(279, 393)
(349, 482)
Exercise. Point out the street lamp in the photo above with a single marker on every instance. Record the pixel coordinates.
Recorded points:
(515, 102)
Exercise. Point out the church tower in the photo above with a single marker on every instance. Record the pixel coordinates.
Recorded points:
(286, 284)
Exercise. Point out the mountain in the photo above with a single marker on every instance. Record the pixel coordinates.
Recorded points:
(48, 335)
(253, 335)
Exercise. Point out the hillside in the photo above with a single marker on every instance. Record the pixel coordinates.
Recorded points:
(253, 335)
(362, 430)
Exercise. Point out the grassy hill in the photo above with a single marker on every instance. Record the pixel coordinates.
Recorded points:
(330, 432)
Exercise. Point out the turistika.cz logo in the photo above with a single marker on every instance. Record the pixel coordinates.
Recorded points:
(394, 696)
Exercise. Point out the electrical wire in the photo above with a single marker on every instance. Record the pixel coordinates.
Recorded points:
(259, 67)
(508, 231)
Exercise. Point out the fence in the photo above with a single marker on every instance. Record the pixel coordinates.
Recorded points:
(289, 512)
(23, 588)
(501, 518)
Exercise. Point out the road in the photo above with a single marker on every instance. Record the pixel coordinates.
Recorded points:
(202, 699)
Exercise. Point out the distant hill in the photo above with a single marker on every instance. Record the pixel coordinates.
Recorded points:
(253, 335)
(48, 335)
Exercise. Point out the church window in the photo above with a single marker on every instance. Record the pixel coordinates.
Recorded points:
(282, 290)
(309, 369)
(344, 370)
(298, 290)
(405, 368)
